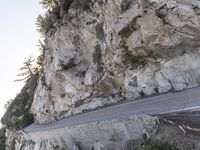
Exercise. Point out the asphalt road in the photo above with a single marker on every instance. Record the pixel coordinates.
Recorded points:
(163, 104)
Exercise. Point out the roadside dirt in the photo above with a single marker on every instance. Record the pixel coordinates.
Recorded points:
(181, 129)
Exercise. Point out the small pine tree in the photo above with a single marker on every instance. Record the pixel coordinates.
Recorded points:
(40, 25)
(40, 60)
(8, 104)
(41, 45)
(28, 70)
(49, 4)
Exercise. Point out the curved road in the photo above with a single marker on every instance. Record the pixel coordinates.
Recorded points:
(166, 103)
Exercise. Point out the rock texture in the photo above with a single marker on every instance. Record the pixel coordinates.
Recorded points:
(101, 52)
(173, 134)
(107, 135)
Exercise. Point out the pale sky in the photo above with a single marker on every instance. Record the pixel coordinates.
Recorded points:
(18, 39)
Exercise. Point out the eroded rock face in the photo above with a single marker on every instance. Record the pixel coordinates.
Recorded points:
(86, 64)
(14, 140)
(112, 134)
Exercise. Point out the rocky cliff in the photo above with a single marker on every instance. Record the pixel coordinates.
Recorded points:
(101, 52)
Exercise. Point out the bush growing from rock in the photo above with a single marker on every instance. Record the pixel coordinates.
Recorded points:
(158, 145)
(132, 60)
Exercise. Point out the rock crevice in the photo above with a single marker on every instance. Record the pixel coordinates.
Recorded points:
(102, 52)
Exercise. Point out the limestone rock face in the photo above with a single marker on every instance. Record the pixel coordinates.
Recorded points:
(112, 134)
(102, 52)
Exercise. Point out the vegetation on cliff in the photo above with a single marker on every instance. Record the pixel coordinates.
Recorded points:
(2, 138)
(18, 113)
(158, 145)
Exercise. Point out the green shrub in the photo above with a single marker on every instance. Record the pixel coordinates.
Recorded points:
(40, 25)
(158, 145)
(45, 23)
(25, 121)
(2, 138)
(129, 58)
(49, 4)
(17, 115)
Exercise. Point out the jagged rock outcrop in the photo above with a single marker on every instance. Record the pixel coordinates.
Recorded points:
(101, 52)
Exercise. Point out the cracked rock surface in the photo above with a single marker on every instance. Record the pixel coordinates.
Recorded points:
(113, 134)
(108, 51)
